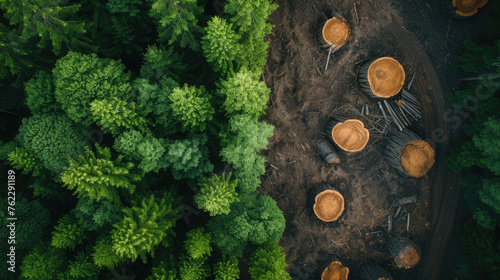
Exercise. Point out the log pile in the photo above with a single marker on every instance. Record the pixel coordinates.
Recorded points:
(335, 271)
(373, 272)
(409, 154)
(381, 78)
(405, 253)
(351, 135)
(467, 8)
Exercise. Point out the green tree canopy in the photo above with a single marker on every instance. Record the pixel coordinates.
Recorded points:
(191, 106)
(144, 226)
(118, 115)
(487, 142)
(197, 243)
(189, 158)
(217, 193)
(83, 267)
(96, 215)
(21, 159)
(43, 263)
(67, 233)
(40, 93)
(227, 269)
(268, 263)
(193, 269)
(245, 94)
(97, 176)
(252, 219)
(161, 63)
(81, 78)
(53, 138)
(104, 255)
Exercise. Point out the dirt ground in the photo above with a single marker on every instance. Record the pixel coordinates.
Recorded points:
(304, 96)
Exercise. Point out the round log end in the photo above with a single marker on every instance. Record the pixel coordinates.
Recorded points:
(467, 8)
(351, 136)
(417, 158)
(332, 159)
(335, 271)
(328, 205)
(336, 31)
(386, 77)
(407, 258)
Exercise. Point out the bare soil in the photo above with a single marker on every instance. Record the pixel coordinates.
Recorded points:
(304, 96)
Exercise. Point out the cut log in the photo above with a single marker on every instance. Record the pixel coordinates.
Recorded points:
(381, 78)
(405, 253)
(335, 32)
(328, 205)
(373, 272)
(327, 152)
(335, 271)
(467, 8)
(350, 136)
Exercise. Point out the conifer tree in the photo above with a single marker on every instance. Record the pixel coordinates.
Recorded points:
(245, 94)
(43, 263)
(197, 243)
(268, 263)
(96, 215)
(21, 159)
(145, 225)
(193, 269)
(104, 255)
(191, 106)
(217, 193)
(227, 269)
(165, 270)
(162, 63)
(83, 267)
(14, 54)
(67, 234)
(40, 93)
(221, 47)
(189, 158)
(97, 176)
(118, 115)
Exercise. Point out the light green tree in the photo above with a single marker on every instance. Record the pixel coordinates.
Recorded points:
(83, 267)
(97, 176)
(217, 193)
(227, 269)
(118, 115)
(197, 243)
(67, 233)
(268, 263)
(221, 47)
(104, 255)
(21, 159)
(191, 106)
(245, 94)
(144, 226)
(193, 269)
(43, 263)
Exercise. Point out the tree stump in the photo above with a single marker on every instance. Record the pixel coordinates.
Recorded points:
(405, 253)
(381, 78)
(328, 205)
(335, 271)
(351, 135)
(335, 32)
(467, 8)
(373, 272)
(328, 153)
(409, 154)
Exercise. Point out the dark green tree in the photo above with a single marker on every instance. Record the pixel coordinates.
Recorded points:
(189, 158)
(193, 269)
(245, 138)
(81, 78)
(487, 142)
(43, 263)
(15, 56)
(245, 94)
(50, 20)
(268, 263)
(178, 22)
(53, 138)
(118, 115)
(191, 106)
(40, 94)
(161, 63)
(144, 226)
(252, 219)
(217, 193)
(67, 233)
(83, 267)
(98, 176)
(197, 243)
(221, 47)
(227, 269)
(96, 215)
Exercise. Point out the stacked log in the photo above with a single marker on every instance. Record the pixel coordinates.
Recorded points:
(373, 272)
(381, 78)
(335, 32)
(405, 253)
(335, 271)
(409, 154)
(328, 205)
(351, 135)
(467, 8)
(328, 153)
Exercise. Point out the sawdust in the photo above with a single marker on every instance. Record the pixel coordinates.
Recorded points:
(351, 136)
(329, 205)
(335, 271)
(336, 31)
(417, 158)
(467, 8)
(386, 77)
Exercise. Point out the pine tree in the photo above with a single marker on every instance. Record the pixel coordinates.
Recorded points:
(221, 47)
(165, 270)
(83, 267)
(217, 193)
(145, 225)
(14, 54)
(191, 106)
(118, 115)
(227, 269)
(104, 255)
(67, 233)
(97, 215)
(193, 269)
(189, 158)
(178, 22)
(197, 243)
(245, 94)
(161, 63)
(268, 263)
(97, 176)
(487, 142)
(21, 159)
(43, 263)
(40, 93)
(81, 78)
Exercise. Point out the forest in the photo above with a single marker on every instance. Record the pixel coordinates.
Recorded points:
(132, 142)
